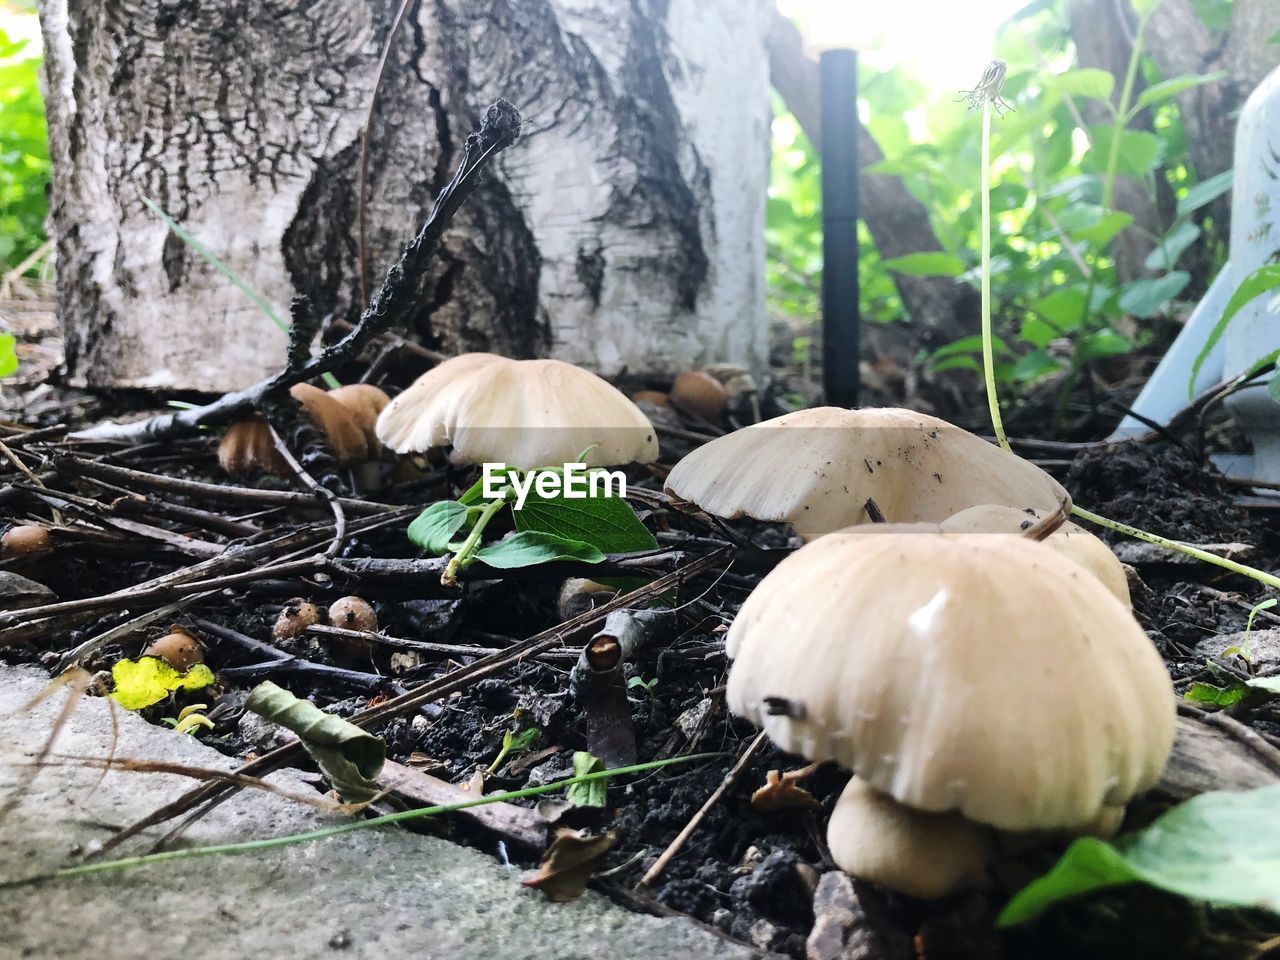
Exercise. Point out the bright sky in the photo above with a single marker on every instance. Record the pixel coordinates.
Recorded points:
(945, 42)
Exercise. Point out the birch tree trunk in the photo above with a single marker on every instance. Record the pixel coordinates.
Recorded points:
(624, 231)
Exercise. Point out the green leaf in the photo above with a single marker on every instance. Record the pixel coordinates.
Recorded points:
(1162, 91)
(1064, 308)
(530, 547)
(1214, 695)
(1086, 82)
(926, 264)
(1034, 365)
(606, 523)
(350, 757)
(1106, 229)
(1146, 298)
(1275, 38)
(1102, 343)
(1139, 152)
(148, 680)
(1174, 244)
(1206, 191)
(8, 354)
(1254, 285)
(520, 742)
(435, 526)
(592, 793)
(1222, 848)
(969, 344)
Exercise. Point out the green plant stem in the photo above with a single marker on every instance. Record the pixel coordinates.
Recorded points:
(462, 559)
(1122, 109)
(230, 848)
(988, 350)
(1260, 575)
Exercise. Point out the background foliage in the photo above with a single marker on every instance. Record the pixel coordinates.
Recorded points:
(1060, 303)
(24, 154)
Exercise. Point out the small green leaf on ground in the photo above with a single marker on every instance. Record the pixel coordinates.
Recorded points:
(350, 757)
(531, 547)
(591, 793)
(1222, 848)
(148, 680)
(436, 525)
(606, 523)
(8, 354)
(1215, 696)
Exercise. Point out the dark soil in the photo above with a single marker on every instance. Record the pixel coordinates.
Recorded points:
(747, 874)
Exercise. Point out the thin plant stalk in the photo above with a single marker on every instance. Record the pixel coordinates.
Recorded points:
(248, 846)
(988, 351)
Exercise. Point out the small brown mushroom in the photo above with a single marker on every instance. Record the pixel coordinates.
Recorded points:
(297, 615)
(353, 613)
(248, 446)
(700, 394)
(25, 540)
(177, 648)
(365, 403)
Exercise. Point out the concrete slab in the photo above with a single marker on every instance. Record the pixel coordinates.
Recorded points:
(382, 893)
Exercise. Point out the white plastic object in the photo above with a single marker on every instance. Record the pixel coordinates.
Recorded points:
(1255, 330)
(1255, 241)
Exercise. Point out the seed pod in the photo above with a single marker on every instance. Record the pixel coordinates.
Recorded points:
(700, 394)
(353, 613)
(25, 540)
(177, 648)
(297, 615)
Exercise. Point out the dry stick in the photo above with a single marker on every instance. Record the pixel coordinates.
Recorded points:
(122, 630)
(127, 501)
(321, 492)
(393, 305)
(695, 821)
(1248, 737)
(362, 179)
(23, 469)
(125, 476)
(283, 663)
(205, 798)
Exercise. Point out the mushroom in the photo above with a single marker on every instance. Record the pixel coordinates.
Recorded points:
(1070, 539)
(655, 397)
(700, 394)
(353, 613)
(177, 648)
(294, 618)
(525, 413)
(365, 403)
(248, 446)
(924, 855)
(989, 677)
(25, 540)
(816, 469)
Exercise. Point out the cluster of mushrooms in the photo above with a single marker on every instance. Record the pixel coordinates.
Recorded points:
(983, 685)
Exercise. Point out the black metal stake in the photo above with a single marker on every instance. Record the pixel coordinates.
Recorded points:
(840, 311)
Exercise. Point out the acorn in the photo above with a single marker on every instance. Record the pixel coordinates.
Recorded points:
(177, 648)
(25, 540)
(297, 615)
(353, 613)
(698, 393)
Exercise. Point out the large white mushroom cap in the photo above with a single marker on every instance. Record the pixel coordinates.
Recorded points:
(816, 469)
(524, 413)
(956, 672)
(1070, 539)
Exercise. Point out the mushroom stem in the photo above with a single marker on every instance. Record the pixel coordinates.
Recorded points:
(463, 558)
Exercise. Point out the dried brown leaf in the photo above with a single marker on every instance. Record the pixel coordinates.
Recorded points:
(569, 863)
(781, 793)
